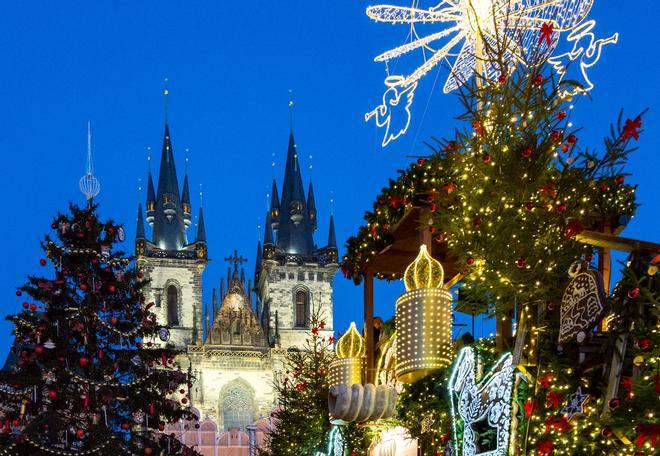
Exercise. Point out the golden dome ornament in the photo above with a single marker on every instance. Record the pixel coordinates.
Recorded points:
(348, 366)
(423, 320)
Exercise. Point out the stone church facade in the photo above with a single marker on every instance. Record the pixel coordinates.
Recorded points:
(236, 346)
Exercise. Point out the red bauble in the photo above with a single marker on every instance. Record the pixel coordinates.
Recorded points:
(634, 293)
(83, 286)
(552, 306)
(477, 222)
(39, 349)
(561, 208)
(112, 289)
(184, 400)
(110, 230)
(421, 161)
(527, 152)
(83, 361)
(620, 179)
(571, 139)
(502, 78)
(469, 261)
(16, 423)
(561, 115)
(521, 262)
(564, 148)
(615, 402)
(53, 225)
(80, 433)
(113, 320)
(529, 205)
(485, 158)
(33, 307)
(26, 305)
(19, 293)
(42, 262)
(606, 432)
(440, 236)
(556, 135)
(125, 426)
(52, 394)
(643, 344)
(539, 79)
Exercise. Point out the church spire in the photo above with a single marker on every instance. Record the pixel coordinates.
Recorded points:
(332, 238)
(201, 229)
(295, 231)
(169, 227)
(274, 207)
(139, 234)
(268, 233)
(151, 200)
(185, 201)
(311, 206)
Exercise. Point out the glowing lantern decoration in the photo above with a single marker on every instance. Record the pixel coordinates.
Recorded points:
(423, 320)
(348, 366)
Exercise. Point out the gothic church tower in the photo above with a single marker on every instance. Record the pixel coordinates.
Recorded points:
(173, 266)
(294, 277)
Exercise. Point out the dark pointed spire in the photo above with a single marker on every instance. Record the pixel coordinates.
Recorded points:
(214, 304)
(311, 206)
(169, 228)
(257, 262)
(201, 229)
(295, 231)
(268, 233)
(139, 234)
(275, 207)
(185, 201)
(151, 200)
(332, 238)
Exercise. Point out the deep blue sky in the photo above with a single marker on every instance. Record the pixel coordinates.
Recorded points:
(230, 66)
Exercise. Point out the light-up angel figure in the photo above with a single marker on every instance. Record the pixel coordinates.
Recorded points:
(396, 106)
(586, 50)
(479, 36)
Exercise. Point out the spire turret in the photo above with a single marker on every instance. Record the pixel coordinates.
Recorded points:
(185, 202)
(201, 229)
(139, 234)
(151, 200)
(332, 238)
(275, 207)
(311, 207)
(268, 233)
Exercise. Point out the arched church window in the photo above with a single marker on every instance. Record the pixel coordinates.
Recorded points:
(302, 315)
(172, 306)
(238, 407)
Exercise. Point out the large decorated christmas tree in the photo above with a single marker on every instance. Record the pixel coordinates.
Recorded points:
(91, 371)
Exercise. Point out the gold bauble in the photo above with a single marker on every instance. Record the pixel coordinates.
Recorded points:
(424, 272)
(638, 360)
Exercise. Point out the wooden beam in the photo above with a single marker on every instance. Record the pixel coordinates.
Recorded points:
(369, 324)
(610, 241)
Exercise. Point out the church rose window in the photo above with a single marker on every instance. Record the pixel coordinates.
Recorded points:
(301, 308)
(172, 306)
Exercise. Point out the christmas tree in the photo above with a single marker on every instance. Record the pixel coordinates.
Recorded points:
(301, 422)
(92, 372)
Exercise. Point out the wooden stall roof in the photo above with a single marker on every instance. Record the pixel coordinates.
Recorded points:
(407, 236)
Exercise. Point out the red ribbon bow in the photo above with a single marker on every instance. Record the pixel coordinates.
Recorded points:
(546, 33)
(630, 128)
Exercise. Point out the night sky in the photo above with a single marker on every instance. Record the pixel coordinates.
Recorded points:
(230, 67)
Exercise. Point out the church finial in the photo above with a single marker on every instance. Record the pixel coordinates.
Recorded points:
(166, 93)
(89, 184)
(291, 111)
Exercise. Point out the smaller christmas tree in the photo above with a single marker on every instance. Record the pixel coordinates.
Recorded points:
(92, 372)
(302, 423)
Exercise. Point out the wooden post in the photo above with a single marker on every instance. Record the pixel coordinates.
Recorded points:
(605, 269)
(503, 339)
(369, 323)
(425, 235)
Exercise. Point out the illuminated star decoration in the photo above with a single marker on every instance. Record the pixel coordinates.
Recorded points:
(468, 27)
(575, 404)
